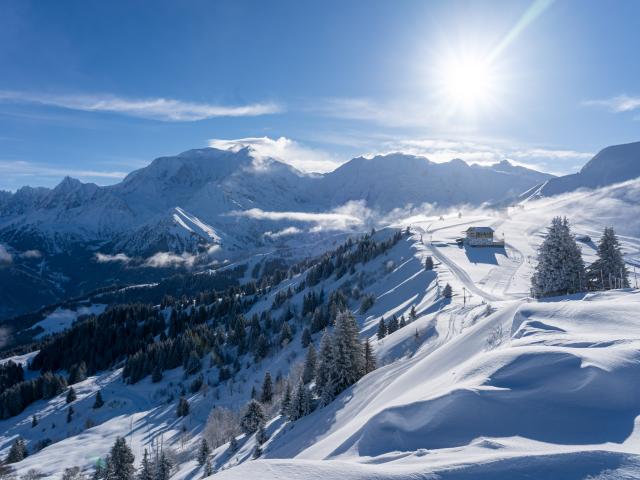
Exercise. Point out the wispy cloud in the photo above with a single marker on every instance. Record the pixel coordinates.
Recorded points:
(20, 168)
(392, 113)
(617, 104)
(283, 149)
(163, 109)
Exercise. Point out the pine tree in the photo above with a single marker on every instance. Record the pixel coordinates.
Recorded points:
(428, 263)
(266, 393)
(203, 452)
(285, 334)
(208, 469)
(310, 364)
(382, 329)
(609, 270)
(34, 421)
(393, 325)
(17, 452)
(70, 412)
(253, 416)
(99, 402)
(325, 362)
(233, 444)
(77, 373)
(163, 467)
(369, 357)
(447, 291)
(71, 395)
(413, 315)
(182, 410)
(120, 463)
(286, 400)
(146, 468)
(348, 358)
(300, 402)
(560, 268)
(156, 374)
(306, 337)
(261, 434)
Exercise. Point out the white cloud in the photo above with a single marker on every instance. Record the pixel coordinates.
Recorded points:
(283, 149)
(169, 259)
(350, 215)
(118, 257)
(5, 257)
(394, 113)
(617, 104)
(284, 232)
(19, 168)
(164, 109)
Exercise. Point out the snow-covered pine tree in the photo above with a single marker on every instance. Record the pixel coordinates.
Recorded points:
(369, 357)
(560, 268)
(120, 463)
(382, 329)
(348, 357)
(609, 270)
(163, 467)
(208, 469)
(266, 393)
(261, 434)
(17, 452)
(286, 399)
(146, 468)
(253, 416)
(300, 402)
(325, 362)
(203, 452)
(310, 364)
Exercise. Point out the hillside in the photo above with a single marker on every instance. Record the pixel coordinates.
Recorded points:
(487, 384)
(614, 164)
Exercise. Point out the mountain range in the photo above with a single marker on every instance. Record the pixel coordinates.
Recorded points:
(207, 206)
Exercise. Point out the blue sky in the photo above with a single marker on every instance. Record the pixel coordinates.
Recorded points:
(96, 89)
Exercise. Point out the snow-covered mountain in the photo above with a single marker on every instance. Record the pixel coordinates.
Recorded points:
(209, 205)
(613, 164)
(489, 384)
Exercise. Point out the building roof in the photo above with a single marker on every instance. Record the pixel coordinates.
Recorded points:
(480, 229)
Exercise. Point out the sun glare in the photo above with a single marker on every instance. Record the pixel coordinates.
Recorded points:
(467, 83)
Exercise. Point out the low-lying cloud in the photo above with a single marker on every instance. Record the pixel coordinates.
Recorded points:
(117, 258)
(170, 260)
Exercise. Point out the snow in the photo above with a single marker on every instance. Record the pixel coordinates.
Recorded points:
(489, 384)
(62, 318)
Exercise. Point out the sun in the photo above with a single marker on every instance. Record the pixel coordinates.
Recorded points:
(467, 83)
